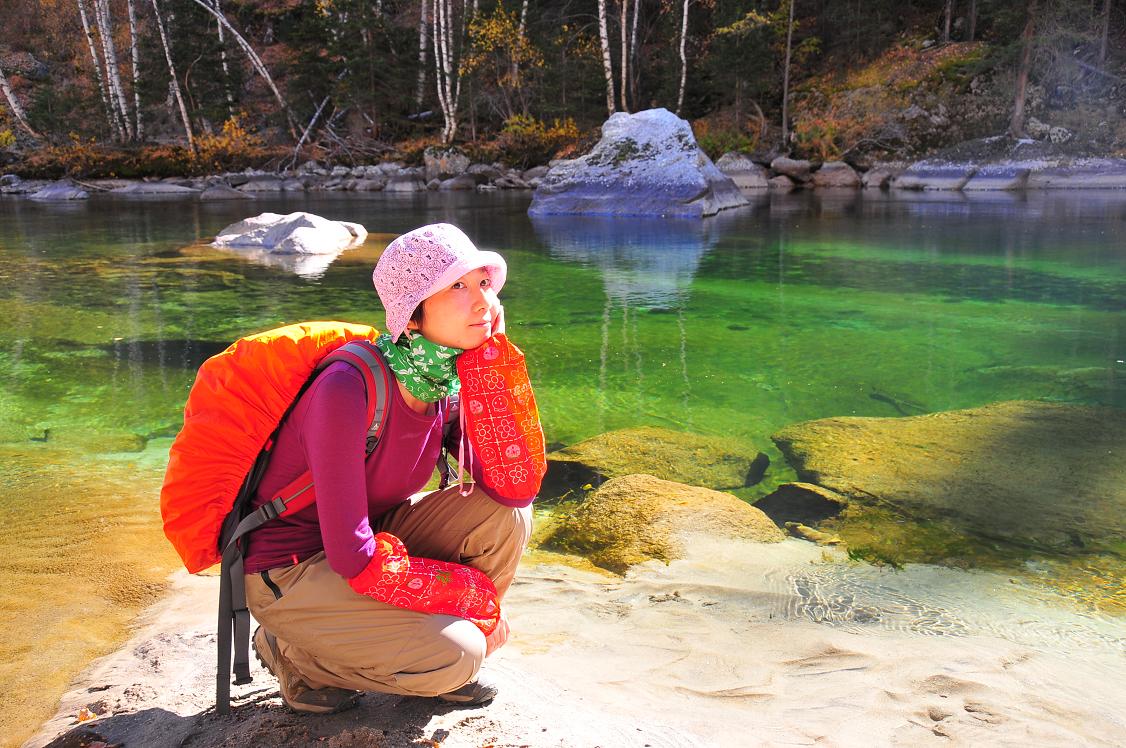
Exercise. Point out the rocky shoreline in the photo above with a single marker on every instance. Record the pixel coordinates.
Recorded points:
(450, 170)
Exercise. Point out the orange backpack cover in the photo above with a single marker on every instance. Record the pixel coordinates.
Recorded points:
(238, 400)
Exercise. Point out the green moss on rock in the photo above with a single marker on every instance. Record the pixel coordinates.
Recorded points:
(637, 518)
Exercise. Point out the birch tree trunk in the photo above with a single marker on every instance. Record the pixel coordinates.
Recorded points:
(226, 67)
(172, 73)
(1105, 32)
(786, 81)
(683, 57)
(1028, 36)
(623, 73)
(14, 105)
(423, 26)
(255, 61)
(111, 111)
(949, 11)
(113, 73)
(607, 67)
(134, 51)
(634, 78)
(445, 66)
(514, 70)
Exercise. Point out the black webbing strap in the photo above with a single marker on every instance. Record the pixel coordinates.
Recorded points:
(234, 616)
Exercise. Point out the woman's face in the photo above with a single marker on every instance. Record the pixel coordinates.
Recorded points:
(464, 315)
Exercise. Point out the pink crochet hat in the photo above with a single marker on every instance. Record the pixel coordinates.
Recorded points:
(422, 262)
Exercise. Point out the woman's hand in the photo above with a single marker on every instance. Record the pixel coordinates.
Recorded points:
(496, 640)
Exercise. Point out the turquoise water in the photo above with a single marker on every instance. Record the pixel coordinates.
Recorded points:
(800, 307)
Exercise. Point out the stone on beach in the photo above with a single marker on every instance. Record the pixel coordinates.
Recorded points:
(695, 459)
(796, 169)
(1034, 474)
(444, 164)
(405, 183)
(155, 188)
(646, 164)
(635, 518)
(836, 175)
(295, 233)
(63, 190)
(745, 173)
(806, 503)
(1094, 173)
(998, 177)
(223, 192)
(936, 175)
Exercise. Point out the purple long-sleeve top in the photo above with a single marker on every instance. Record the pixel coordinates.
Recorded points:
(325, 434)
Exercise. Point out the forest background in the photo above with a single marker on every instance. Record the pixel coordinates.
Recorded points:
(136, 88)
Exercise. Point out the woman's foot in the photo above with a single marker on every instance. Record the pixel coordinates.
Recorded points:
(480, 690)
(295, 692)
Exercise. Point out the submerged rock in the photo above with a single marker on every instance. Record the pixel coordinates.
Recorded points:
(295, 233)
(1031, 473)
(636, 518)
(647, 164)
(710, 461)
(807, 503)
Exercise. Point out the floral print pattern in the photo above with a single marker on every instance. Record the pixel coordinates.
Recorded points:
(503, 424)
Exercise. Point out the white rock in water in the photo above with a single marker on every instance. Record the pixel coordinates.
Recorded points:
(647, 164)
(296, 233)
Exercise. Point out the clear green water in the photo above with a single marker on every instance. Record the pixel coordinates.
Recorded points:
(801, 307)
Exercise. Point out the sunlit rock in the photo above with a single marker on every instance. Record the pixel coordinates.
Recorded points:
(646, 164)
(303, 243)
(636, 518)
(710, 461)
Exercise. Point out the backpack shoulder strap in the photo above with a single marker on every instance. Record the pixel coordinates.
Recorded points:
(378, 379)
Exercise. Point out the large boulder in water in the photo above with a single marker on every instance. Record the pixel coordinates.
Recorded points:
(695, 459)
(636, 518)
(1034, 474)
(647, 164)
(295, 233)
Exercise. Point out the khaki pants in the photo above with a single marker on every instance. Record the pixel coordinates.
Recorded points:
(336, 637)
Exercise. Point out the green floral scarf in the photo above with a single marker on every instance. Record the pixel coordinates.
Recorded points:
(427, 370)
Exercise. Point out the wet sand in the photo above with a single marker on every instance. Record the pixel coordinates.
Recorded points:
(741, 644)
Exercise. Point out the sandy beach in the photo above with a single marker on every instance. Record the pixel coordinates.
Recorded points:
(739, 644)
